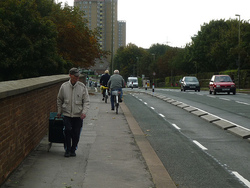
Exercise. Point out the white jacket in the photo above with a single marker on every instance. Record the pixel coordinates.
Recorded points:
(72, 101)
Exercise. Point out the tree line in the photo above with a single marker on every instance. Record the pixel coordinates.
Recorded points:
(214, 48)
(40, 37)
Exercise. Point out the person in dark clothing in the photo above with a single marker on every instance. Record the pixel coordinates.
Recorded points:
(104, 81)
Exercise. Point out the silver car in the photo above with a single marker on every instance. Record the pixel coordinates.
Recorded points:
(190, 83)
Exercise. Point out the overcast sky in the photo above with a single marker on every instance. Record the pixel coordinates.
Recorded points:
(173, 22)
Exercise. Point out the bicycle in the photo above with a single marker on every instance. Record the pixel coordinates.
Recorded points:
(116, 94)
(105, 89)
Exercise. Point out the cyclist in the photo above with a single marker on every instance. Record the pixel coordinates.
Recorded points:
(116, 82)
(104, 81)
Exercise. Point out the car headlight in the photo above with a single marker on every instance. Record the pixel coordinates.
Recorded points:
(217, 85)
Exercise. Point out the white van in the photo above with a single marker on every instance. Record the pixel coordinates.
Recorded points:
(132, 82)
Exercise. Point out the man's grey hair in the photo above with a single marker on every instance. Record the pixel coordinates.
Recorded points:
(116, 71)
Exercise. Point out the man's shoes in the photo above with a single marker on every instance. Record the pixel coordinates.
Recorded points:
(103, 99)
(120, 100)
(112, 109)
(72, 154)
(67, 154)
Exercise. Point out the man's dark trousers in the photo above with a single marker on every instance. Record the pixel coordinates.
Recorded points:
(72, 130)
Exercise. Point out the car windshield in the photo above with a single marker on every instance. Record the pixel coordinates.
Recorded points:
(133, 80)
(223, 79)
(191, 79)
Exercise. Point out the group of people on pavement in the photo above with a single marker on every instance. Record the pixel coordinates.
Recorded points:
(73, 103)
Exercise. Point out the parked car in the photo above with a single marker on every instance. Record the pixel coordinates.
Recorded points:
(189, 83)
(221, 83)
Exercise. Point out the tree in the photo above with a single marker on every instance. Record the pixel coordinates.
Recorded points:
(127, 60)
(27, 41)
(38, 37)
(166, 64)
(215, 47)
(76, 42)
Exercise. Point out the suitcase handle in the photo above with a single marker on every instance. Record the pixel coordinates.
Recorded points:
(58, 118)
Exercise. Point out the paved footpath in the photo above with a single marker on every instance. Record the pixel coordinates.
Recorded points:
(113, 153)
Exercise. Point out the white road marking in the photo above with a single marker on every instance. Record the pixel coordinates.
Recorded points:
(226, 120)
(245, 181)
(145, 103)
(211, 96)
(198, 144)
(162, 115)
(225, 99)
(242, 102)
(175, 126)
(140, 99)
(215, 115)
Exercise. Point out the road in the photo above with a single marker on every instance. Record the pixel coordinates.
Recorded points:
(235, 108)
(195, 152)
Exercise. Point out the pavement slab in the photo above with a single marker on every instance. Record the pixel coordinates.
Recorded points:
(107, 157)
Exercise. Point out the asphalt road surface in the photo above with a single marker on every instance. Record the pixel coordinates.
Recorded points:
(195, 152)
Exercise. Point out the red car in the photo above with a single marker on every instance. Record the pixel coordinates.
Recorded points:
(221, 83)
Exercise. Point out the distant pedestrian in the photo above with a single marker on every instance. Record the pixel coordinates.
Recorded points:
(73, 103)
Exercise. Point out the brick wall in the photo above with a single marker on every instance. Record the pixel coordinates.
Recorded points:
(24, 117)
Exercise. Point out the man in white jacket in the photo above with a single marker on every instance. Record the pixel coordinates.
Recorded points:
(73, 104)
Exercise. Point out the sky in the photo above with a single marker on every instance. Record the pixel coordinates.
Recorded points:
(173, 22)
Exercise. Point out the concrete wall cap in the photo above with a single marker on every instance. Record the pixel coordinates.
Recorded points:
(14, 87)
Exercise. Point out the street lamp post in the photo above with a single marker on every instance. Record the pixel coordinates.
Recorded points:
(153, 72)
(238, 54)
(137, 66)
(112, 36)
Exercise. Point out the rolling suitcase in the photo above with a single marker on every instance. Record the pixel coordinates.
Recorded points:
(56, 134)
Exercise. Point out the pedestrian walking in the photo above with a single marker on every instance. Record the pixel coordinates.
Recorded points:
(73, 103)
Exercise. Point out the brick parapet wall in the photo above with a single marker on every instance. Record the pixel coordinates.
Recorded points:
(24, 117)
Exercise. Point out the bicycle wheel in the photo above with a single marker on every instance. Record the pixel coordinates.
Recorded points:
(116, 107)
(116, 104)
(106, 98)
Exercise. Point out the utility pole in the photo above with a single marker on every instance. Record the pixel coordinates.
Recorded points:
(238, 54)
(112, 35)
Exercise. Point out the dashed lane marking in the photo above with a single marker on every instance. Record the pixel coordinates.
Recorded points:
(225, 99)
(242, 102)
(175, 126)
(162, 115)
(199, 145)
(245, 181)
